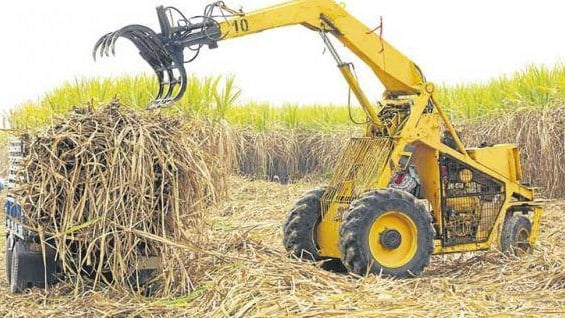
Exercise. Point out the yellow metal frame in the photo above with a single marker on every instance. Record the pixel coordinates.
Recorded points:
(420, 127)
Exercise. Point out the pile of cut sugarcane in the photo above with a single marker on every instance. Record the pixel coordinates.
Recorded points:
(111, 189)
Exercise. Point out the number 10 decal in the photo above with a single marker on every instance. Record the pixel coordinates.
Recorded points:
(241, 25)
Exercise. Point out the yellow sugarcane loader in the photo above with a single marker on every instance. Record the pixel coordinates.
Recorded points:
(405, 190)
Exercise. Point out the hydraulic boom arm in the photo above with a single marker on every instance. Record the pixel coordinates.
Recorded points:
(396, 71)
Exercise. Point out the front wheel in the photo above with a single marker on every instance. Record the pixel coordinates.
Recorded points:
(515, 236)
(300, 237)
(386, 232)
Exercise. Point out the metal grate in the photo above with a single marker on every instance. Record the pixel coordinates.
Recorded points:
(17, 153)
(471, 202)
(357, 170)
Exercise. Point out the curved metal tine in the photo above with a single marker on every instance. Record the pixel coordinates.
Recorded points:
(155, 45)
(107, 41)
(176, 80)
(167, 63)
(170, 83)
(160, 100)
(98, 43)
(143, 38)
(104, 44)
(105, 47)
(110, 43)
(140, 41)
(153, 50)
(183, 83)
(157, 67)
(160, 78)
(164, 81)
(162, 64)
(145, 43)
(149, 55)
(149, 50)
(144, 33)
(157, 61)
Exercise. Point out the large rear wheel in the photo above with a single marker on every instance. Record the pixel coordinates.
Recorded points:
(515, 236)
(386, 232)
(301, 226)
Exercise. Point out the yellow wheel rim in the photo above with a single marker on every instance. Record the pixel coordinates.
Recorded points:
(393, 239)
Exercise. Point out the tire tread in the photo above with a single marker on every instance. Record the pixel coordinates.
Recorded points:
(355, 255)
(297, 229)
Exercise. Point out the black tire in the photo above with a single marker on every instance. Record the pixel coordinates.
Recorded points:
(384, 205)
(300, 227)
(8, 261)
(515, 235)
(17, 285)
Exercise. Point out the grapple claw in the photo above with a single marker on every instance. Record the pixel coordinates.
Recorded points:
(167, 65)
(164, 51)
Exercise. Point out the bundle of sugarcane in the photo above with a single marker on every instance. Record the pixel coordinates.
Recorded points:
(113, 190)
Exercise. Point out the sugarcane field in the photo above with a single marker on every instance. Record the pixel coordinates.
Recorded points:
(209, 160)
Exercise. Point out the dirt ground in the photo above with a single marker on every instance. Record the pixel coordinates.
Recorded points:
(256, 278)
